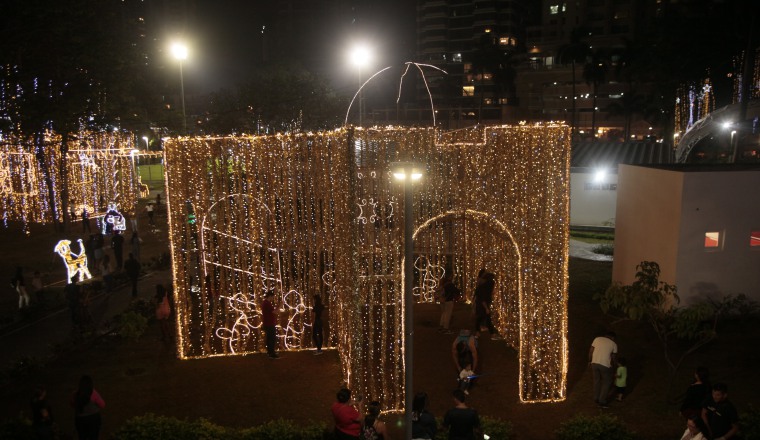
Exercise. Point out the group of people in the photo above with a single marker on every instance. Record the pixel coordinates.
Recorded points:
(708, 412)
(87, 404)
(447, 293)
(353, 422)
(269, 324)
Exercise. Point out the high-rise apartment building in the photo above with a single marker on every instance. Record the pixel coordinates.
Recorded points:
(474, 41)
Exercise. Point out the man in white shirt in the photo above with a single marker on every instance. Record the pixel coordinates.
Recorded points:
(601, 357)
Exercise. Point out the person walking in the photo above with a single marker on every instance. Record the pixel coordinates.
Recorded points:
(117, 244)
(317, 330)
(462, 422)
(85, 221)
(447, 293)
(135, 242)
(483, 299)
(346, 413)
(132, 269)
(17, 282)
(163, 312)
(149, 211)
(87, 404)
(424, 425)
(269, 323)
(601, 358)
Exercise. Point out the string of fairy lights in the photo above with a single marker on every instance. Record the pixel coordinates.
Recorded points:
(96, 173)
(301, 214)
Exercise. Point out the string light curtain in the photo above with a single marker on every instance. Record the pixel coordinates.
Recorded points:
(98, 170)
(311, 213)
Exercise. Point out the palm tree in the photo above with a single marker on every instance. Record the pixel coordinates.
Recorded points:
(575, 51)
(595, 73)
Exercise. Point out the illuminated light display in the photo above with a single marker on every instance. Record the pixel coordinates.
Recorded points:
(113, 221)
(99, 167)
(310, 213)
(76, 264)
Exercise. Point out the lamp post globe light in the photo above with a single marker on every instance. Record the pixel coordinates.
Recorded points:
(180, 53)
(360, 57)
(408, 173)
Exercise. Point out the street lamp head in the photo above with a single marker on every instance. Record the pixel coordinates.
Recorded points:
(407, 170)
(179, 51)
(727, 125)
(360, 55)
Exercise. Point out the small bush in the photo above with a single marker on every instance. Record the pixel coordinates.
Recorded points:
(19, 428)
(495, 429)
(151, 426)
(749, 424)
(132, 325)
(283, 430)
(603, 249)
(602, 427)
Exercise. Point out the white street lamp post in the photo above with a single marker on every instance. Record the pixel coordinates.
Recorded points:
(147, 143)
(360, 58)
(408, 173)
(180, 52)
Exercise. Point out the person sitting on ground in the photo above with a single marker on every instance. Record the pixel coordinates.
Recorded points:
(347, 416)
(372, 427)
(424, 425)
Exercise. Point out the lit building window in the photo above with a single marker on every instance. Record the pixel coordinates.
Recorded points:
(754, 239)
(468, 90)
(487, 101)
(487, 30)
(502, 100)
(457, 57)
(487, 75)
(554, 9)
(712, 240)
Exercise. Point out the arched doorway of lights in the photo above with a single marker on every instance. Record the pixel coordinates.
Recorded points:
(463, 242)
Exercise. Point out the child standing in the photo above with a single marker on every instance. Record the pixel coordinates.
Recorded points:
(621, 376)
(465, 378)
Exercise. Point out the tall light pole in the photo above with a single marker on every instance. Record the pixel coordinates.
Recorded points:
(147, 142)
(360, 57)
(180, 52)
(408, 173)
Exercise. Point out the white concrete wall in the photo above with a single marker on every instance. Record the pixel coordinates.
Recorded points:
(647, 221)
(592, 203)
(728, 202)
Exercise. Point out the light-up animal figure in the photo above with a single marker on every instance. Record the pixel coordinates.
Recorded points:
(75, 263)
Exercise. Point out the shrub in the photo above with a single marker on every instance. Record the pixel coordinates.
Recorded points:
(495, 429)
(133, 325)
(283, 430)
(603, 249)
(749, 424)
(151, 426)
(601, 427)
(19, 428)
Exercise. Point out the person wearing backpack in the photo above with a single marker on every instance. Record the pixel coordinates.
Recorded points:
(464, 350)
(448, 294)
(372, 427)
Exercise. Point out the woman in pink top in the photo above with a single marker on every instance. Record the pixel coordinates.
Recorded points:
(87, 404)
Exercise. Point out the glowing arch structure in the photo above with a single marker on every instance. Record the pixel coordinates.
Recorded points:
(322, 210)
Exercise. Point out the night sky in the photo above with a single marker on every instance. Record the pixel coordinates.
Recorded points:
(226, 39)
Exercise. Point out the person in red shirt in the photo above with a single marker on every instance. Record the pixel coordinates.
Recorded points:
(269, 322)
(347, 415)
